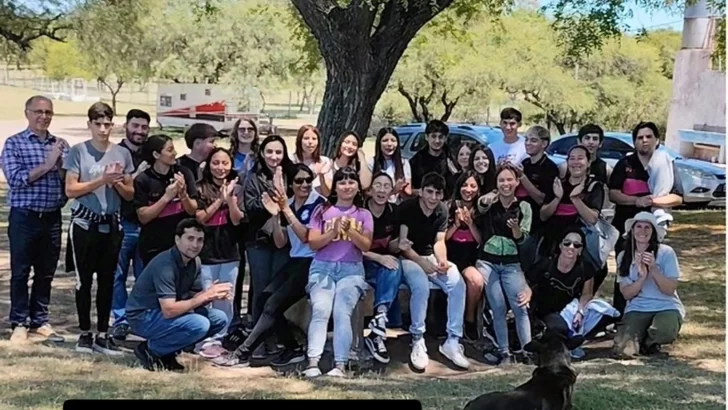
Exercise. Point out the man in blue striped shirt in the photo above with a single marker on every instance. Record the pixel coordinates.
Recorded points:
(31, 161)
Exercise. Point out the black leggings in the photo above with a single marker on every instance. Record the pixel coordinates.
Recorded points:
(94, 252)
(287, 287)
(238, 298)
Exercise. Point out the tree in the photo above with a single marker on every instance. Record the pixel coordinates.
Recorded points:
(21, 23)
(114, 44)
(59, 60)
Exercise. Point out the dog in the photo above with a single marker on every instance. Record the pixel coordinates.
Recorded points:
(551, 385)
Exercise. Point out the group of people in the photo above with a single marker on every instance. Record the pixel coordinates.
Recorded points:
(501, 223)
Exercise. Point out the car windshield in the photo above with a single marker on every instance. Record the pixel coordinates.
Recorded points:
(670, 152)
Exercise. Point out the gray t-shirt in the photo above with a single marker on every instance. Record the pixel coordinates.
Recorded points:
(166, 276)
(90, 163)
(650, 298)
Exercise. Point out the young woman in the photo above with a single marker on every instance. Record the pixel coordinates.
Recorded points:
(244, 144)
(348, 153)
(504, 223)
(575, 200)
(264, 257)
(220, 210)
(308, 152)
(558, 280)
(288, 286)
(461, 159)
(462, 239)
(483, 163)
(388, 159)
(339, 231)
(164, 195)
(648, 278)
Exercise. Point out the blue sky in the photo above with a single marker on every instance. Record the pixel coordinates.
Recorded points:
(648, 19)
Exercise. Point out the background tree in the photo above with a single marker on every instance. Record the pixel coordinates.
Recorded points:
(21, 21)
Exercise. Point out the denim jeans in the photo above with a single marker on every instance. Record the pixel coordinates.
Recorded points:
(264, 262)
(337, 287)
(167, 336)
(385, 282)
(223, 273)
(506, 281)
(419, 284)
(35, 242)
(128, 255)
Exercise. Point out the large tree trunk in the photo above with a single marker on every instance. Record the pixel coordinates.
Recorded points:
(360, 56)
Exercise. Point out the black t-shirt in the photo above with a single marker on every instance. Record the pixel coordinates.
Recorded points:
(128, 211)
(422, 163)
(566, 213)
(542, 175)
(386, 228)
(422, 229)
(221, 242)
(630, 177)
(191, 164)
(553, 289)
(149, 187)
(598, 170)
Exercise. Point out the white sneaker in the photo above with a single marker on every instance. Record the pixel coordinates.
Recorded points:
(312, 372)
(419, 357)
(453, 350)
(335, 372)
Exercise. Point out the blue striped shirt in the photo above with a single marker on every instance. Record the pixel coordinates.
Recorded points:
(21, 154)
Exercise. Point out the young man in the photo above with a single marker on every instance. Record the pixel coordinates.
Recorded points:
(383, 269)
(591, 136)
(629, 186)
(512, 148)
(32, 161)
(137, 130)
(423, 224)
(98, 177)
(434, 157)
(200, 139)
(536, 180)
(167, 305)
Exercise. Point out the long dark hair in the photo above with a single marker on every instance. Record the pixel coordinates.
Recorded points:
(206, 185)
(628, 252)
(316, 155)
(260, 165)
(341, 175)
(380, 161)
(457, 196)
(254, 146)
(472, 145)
(153, 144)
(487, 179)
(355, 160)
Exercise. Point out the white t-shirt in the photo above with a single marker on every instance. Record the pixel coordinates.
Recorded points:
(389, 170)
(514, 153)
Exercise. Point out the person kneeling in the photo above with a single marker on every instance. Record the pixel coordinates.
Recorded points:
(648, 277)
(167, 304)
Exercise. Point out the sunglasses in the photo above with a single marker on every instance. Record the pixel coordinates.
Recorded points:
(250, 129)
(567, 243)
(300, 181)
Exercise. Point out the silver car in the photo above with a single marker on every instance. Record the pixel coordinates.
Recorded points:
(700, 183)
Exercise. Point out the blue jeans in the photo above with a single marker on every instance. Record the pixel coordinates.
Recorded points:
(385, 282)
(337, 287)
(264, 262)
(419, 284)
(506, 281)
(224, 273)
(167, 336)
(35, 242)
(128, 255)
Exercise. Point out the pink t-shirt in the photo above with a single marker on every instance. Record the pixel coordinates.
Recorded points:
(341, 249)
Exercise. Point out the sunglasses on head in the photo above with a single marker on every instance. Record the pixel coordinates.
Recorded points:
(300, 181)
(567, 243)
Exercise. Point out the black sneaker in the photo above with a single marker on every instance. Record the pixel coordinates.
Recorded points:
(378, 324)
(170, 363)
(471, 332)
(497, 358)
(148, 360)
(235, 359)
(85, 343)
(106, 345)
(375, 345)
(272, 348)
(121, 331)
(289, 356)
(235, 339)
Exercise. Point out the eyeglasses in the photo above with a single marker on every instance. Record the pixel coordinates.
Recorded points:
(300, 181)
(576, 245)
(47, 113)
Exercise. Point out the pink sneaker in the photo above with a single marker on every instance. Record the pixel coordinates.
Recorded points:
(212, 351)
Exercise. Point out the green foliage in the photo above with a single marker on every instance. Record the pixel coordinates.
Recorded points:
(22, 22)
(59, 60)
(667, 42)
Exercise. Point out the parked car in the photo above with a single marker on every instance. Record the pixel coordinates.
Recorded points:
(412, 136)
(700, 183)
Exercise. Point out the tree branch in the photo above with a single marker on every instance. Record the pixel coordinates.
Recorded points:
(411, 101)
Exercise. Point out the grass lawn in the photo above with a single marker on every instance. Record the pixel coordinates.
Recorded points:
(41, 377)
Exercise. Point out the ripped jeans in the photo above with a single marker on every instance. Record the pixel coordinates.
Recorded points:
(337, 287)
